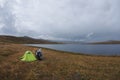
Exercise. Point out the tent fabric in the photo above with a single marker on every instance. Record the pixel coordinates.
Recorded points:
(28, 56)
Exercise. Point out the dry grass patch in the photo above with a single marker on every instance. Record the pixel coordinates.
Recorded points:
(56, 66)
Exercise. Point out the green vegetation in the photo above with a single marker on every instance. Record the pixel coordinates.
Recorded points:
(56, 65)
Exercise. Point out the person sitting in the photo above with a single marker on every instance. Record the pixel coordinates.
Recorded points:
(39, 54)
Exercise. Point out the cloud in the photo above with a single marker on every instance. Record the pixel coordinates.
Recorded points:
(90, 35)
(61, 19)
(7, 18)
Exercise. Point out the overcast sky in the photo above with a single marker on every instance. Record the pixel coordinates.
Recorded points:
(79, 20)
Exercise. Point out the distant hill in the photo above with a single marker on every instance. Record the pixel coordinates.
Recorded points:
(23, 40)
(107, 42)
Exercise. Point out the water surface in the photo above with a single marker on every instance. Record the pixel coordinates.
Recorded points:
(100, 49)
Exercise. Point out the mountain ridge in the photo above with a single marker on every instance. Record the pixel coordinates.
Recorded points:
(107, 42)
(23, 40)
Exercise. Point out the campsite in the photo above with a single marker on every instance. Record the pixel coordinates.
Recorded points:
(59, 39)
(56, 65)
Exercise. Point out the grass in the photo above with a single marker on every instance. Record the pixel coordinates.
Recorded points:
(56, 65)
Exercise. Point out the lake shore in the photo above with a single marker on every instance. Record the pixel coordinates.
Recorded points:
(76, 53)
(56, 65)
(83, 49)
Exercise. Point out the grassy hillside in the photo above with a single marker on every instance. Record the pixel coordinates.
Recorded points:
(23, 40)
(107, 42)
(56, 65)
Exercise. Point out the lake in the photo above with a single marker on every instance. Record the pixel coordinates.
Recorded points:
(100, 49)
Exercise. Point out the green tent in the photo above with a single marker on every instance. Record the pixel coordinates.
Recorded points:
(28, 56)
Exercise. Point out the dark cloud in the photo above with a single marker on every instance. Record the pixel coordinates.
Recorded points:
(7, 19)
(61, 19)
